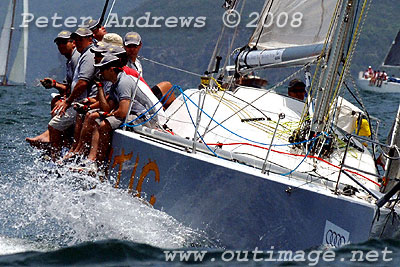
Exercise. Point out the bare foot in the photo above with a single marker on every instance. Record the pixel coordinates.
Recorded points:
(41, 144)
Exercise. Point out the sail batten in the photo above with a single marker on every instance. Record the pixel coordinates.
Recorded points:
(393, 57)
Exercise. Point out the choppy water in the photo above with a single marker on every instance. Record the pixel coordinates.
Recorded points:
(49, 217)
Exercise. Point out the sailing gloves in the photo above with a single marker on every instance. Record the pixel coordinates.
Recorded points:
(81, 108)
(48, 83)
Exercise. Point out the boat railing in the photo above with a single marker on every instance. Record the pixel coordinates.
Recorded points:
(351, 137)
(187, 145)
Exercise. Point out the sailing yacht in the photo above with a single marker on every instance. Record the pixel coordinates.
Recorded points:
(17, 73)
(252, 168)
(392, 62)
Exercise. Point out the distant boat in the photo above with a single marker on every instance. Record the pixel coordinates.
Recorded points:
(15, 75)
(392, 60)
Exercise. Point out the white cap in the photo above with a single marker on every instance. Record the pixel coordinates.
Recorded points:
(113, 39)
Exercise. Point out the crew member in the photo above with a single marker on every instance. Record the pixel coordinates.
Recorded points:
(98, 30)
(66, 47)
(82, 87)
(297, 89)
(132, 45)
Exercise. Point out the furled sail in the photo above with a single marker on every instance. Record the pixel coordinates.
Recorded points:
(5, 40)
(393, 57)
(289, 31)
(18, 70)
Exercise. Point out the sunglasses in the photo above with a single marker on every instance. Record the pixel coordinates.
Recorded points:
(63, 41)
(132, 46)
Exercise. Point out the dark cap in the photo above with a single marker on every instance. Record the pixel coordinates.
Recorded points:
(296, 85)
(100, 47)
(115, 50)
(132, 38)
(92, 24)
(65, 35)
(82, 32)
(108, 59)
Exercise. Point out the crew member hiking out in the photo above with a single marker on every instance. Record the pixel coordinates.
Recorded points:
(82, 87)
(66, 47)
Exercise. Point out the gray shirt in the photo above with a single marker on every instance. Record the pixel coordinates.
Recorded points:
(85, 71)
(144, 99)
(122, 89)
(71, 66)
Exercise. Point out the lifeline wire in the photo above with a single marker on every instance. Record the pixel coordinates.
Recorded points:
(184, 95)
(180, 89)
(129, 124)
(308, 152)
(256, 142)
(171, 67)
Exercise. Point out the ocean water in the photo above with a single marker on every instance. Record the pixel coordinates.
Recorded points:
(48, 217)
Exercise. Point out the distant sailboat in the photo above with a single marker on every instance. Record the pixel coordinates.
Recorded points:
(392, 60)
(15, 75)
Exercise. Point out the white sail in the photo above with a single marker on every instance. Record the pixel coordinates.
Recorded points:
(288, 23)
(18, 70)
(289, 32)
(5, 40)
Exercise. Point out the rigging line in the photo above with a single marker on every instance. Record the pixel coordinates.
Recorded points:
(301, 162)
(109, 13)
(215, 111)
(265, 20)
(129, 124)
(289, 144)
(187, 108)
(240, 110)
(316, 82)
(260, 125)
(269, 90)
(349, 56)
(232, 106)
(319, 68)
(365, 110)
(178, 108)
(353, 43)
(330, 77)
(233, 39)
(389, 157)
(169, 66)
(216, 48)
(299, 155)
(362, 104)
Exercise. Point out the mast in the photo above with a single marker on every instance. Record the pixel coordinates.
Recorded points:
(327, 84)
(4, 82)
